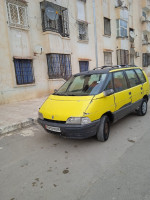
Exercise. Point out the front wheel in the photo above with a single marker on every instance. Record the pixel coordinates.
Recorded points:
(103, 129)
(143, 108)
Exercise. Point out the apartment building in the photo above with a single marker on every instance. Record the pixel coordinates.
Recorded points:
(44, 42)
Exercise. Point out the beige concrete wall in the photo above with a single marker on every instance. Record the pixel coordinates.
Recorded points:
(17, 42)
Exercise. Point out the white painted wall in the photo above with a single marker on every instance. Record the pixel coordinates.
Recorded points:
(16, 42)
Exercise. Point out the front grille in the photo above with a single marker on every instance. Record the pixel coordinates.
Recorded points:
(55, 121)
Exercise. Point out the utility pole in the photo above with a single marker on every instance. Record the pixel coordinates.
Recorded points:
(95, 34)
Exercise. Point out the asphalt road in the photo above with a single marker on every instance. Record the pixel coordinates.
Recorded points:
(40, 166)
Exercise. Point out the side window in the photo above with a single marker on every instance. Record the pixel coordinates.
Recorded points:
(110, 84)
(132, 77)
(119, 81)
(140, 75)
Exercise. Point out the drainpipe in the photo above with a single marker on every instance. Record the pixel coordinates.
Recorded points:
(95, 34)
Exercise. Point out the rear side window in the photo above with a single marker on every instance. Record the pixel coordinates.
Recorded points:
(119, 81)
(140, 75)
(132, 77)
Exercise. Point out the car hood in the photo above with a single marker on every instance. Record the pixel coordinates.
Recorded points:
(60, 108)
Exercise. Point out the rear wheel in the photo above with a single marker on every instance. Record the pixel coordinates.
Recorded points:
(143, 108)
(103, 129)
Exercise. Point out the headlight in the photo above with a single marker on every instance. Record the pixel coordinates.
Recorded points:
(40, 116)
(78, 120)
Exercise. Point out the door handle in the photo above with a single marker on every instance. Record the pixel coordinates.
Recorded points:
(129, 93)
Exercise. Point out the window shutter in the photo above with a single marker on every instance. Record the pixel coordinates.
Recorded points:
(145, 64)
(122, 57)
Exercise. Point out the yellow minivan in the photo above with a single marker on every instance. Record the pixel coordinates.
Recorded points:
(89, 102)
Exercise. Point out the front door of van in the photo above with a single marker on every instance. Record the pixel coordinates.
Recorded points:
(122, 95)
(136, 87)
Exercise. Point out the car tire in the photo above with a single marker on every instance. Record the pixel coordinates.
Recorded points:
(103, 129)
(143, 108)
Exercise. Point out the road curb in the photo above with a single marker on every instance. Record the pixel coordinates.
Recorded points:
(17, 126)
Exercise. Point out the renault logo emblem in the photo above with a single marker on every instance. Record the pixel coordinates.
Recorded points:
(52, 116)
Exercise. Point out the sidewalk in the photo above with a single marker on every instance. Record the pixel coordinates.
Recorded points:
(18, 115)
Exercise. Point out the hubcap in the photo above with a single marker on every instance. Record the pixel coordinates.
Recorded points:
(144, 107)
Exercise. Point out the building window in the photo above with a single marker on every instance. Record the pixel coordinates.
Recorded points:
(59, 66)
(146, 59)
(84, 66)
(148, 2)
(121, 28)
(107, 28)
(144, 14)
(81, 14)
(107, 58)
(83, 30)
(122, 57)
(24, 71)
(17, 14)
(131, 35)
(131, 59)
(81, 21)
(54, 18)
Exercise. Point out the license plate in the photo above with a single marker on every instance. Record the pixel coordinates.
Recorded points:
(51, 128)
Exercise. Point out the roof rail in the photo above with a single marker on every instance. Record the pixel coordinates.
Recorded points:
(102, 67)
(97, 68)
(105, 66)
(132, 65)
(115, 66)
(122, 66)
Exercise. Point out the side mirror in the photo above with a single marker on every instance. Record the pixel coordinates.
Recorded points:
(108, 92)
(55, 90)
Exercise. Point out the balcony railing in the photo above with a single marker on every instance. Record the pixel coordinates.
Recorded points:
(60, 24)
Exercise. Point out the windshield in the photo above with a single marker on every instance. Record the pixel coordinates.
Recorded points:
(82, 85)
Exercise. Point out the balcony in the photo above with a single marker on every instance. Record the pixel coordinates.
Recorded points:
(146, 5)
(146, 27)
(54, 42)
(122, 13)
(145, 42)
(146, 46)
(54, 18)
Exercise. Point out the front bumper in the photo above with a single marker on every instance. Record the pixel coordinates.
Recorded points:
(72, 131)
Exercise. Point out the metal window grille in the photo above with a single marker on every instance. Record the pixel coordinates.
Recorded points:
(17, 14)
(83, 30)
(24, 71)
(121, 28)
(60, 25)
(84, 66)
(108, 58)
(59, 66)
(122, 57)
(146, 59)
(107, 29)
